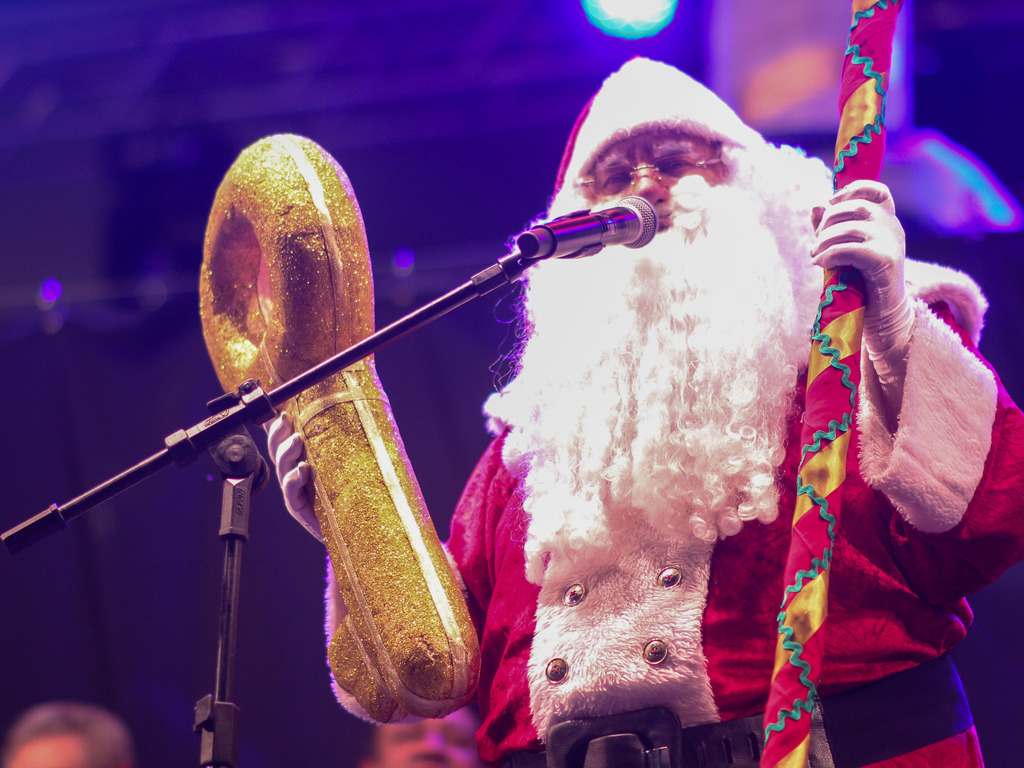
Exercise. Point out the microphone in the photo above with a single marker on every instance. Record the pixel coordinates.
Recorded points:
(633, 222)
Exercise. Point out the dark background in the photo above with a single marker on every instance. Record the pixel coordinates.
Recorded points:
(117, 121)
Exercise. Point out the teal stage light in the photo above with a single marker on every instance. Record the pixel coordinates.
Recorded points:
(630, 19)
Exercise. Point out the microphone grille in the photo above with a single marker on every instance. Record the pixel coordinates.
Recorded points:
(648, 220)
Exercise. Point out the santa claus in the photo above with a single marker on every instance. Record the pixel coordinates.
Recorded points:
(621, 542)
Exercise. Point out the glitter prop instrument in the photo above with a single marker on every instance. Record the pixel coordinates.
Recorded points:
(832, 378)
(286, 284)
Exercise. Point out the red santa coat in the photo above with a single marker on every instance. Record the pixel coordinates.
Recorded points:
(931, 513)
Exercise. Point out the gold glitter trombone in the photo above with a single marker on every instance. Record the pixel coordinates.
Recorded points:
(285, 285)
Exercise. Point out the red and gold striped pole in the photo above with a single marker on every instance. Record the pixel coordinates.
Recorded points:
(832, 377)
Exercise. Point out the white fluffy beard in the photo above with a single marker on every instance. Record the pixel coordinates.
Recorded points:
(656, 383)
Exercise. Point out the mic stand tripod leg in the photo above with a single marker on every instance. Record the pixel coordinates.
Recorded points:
(243, 473)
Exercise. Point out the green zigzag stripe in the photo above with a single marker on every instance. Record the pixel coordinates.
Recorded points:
(834, 428)
(869, 71)
(859, 15)
(827, 349)
(833, 353)
(800, 706)
(853, 50)
(828, 301)
(795, 648)
(864, 137)
(818, 565)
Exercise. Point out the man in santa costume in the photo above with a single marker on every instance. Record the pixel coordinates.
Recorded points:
(622, 540)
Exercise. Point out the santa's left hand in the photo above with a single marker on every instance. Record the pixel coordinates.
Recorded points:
(859, 229)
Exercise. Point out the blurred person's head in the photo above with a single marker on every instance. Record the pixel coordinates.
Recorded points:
(449, 742)
(64, 734)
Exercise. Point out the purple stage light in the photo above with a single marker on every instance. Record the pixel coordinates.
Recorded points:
(948, 187)
(403, 261)
(50, 291)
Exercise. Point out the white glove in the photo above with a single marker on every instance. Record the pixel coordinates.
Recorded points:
(859, 229)
(293, 474)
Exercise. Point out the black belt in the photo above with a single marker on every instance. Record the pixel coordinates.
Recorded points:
(898, 714)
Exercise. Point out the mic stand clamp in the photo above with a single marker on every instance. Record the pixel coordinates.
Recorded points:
(231, 412)
(244, 473)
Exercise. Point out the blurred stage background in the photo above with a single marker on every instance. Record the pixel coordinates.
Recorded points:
(117, 120)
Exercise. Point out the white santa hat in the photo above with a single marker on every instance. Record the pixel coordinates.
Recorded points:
(645, 95)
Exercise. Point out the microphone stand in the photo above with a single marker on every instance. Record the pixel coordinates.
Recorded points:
(243, 473)
(224, 434)
(251, 405)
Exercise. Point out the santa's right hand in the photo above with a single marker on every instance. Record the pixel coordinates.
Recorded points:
(293, 475)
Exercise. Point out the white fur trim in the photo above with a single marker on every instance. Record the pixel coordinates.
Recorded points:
(334, 606)
(602, 638)
(453, 563)
(334, 614)
(498, 421)
(933, 282)
(930, 468)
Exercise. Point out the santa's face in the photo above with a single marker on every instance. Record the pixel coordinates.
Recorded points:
(656, 383)
(649, 165)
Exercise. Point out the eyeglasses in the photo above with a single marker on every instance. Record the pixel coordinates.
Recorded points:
(616, 179)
